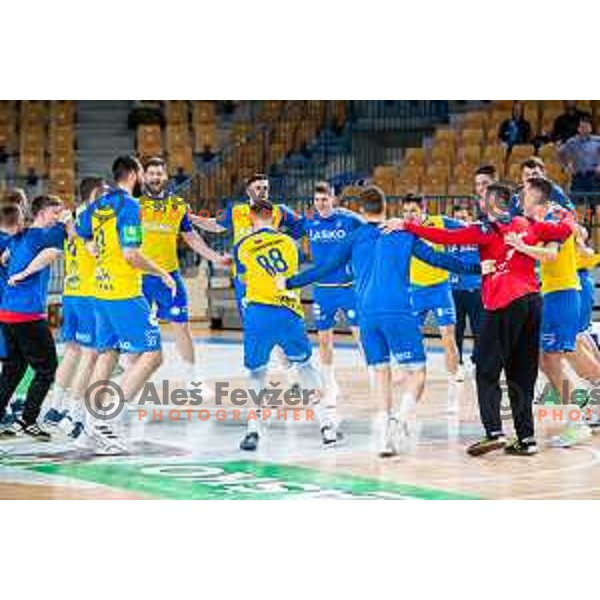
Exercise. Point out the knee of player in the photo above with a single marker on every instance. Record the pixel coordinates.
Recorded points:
(155, 358)
(326, 339)
(72, 349)
(90, 353)
(310, 377)
(550, 360)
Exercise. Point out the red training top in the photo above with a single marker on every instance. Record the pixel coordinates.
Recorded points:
(515, 272)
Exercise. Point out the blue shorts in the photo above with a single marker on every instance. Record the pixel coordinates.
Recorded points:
(172, 308)
(126, 325)
(560, 321)
(437, 299)
(392, 338)
(329, 301)
(79, 321)
(268, 326)
(586, 300)
(3, 346)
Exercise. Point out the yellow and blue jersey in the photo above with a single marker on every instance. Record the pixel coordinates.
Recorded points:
(423, 274)
(163, 219)
(587, 261)
(113, 222)
(261, 257)
(238, 221)
(560, 274)
(80, 269)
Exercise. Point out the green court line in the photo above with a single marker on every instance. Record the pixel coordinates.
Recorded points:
(236, 480)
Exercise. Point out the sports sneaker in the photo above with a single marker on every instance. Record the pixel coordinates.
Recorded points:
(460, 374)
(6, 430)
(391, 445)
(250, 442)
(53, 417)
(409, 435)
(106, 441)
(19, 428)
(330, 436)
(572, 435)
(593, 421)
(521, 447)
(486, 444)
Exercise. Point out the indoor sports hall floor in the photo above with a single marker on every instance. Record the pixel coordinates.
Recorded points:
(199, 459)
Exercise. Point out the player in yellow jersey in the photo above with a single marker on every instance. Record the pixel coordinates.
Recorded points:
(273, 316)
(587, 261)
(561, 304)
(123, 318)
(78, 331)
(236, 219)
(164, 219)
(431, 291)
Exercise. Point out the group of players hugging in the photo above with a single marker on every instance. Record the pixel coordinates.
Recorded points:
(516, 263)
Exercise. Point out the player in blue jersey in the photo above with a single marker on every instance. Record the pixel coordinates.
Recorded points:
(389, 324)
(466, 291)
(325, 227)
(29, 340)
(11, 222)
(534, 167)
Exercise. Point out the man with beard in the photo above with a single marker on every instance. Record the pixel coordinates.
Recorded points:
(164, 218)
(123, 318)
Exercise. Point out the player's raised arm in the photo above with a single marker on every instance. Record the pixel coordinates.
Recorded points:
(470, 235)
(444, 260)
(293, 221)
(198, 245)
(551, 232)
(209, 224)
(339, 257)
(44, 259)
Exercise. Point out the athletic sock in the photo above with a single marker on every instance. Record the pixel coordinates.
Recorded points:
(407, 408)
(57, 398)
(324, 401)
(258, 380)
(452, 395)
(328, 376)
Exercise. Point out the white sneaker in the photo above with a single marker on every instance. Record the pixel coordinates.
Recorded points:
(106, 441)
(330, 436)
(573, 434)
(409, 434)
(393, 439)
(460, 375)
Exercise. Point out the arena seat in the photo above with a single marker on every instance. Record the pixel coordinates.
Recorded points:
(176, 112)
(471, 137)
(521, 152)
(203, 111)
(149, 140)
(474, 120)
